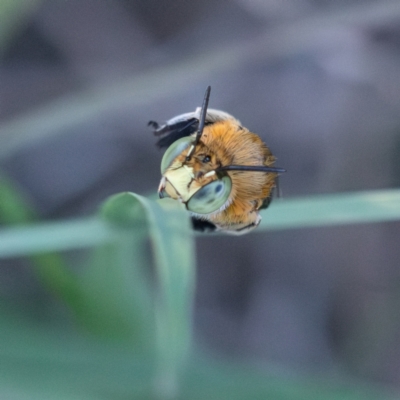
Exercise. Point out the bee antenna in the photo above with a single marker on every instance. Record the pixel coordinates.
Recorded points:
(254, 168)
(202, 121)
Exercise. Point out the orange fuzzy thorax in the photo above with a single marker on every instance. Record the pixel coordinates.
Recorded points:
(228, 143)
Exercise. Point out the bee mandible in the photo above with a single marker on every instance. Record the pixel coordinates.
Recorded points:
(218, 169)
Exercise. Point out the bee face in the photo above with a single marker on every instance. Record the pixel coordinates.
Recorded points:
(202, 161)
(194, 180)
(220, 170)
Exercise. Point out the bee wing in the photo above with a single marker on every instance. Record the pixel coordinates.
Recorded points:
(174, 129)
(185, 124)
(216, 115)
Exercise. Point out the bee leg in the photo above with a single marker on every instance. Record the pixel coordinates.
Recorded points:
(203, 225)
(154, 124)
(266, 203)
(161, 187)
(247, 227)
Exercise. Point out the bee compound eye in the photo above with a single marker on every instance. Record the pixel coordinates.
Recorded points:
(173, 151)
(210, 197)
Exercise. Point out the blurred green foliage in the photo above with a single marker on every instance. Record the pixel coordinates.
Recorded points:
(135, 304)
(13, 13)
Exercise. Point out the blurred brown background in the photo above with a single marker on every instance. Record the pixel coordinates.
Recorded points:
(318, 80)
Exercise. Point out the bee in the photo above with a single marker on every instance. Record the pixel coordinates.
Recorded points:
(220, 171)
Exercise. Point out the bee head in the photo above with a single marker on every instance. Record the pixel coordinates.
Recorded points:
(193, 179)
(188, 169)
(193, 174)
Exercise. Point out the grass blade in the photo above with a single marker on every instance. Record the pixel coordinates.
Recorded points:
(333, 209)
(173, 249)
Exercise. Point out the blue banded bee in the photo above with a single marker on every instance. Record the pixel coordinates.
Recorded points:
(218, 169)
